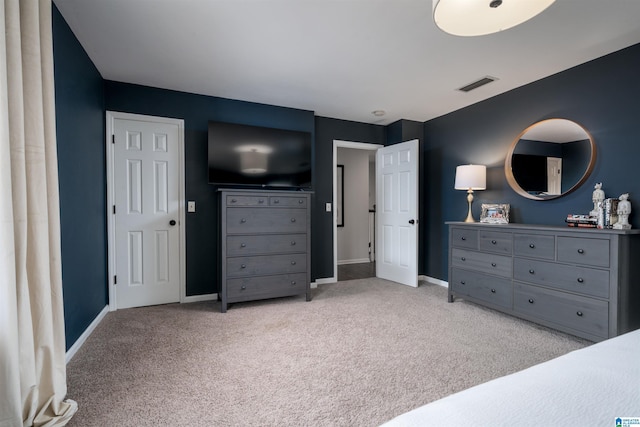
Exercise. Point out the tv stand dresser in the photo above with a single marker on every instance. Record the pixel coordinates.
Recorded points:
(585, 282)
(265, 245)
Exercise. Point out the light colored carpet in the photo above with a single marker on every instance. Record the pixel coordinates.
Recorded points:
(359, 354)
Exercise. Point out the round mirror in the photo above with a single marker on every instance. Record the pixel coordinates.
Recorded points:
(550, 159)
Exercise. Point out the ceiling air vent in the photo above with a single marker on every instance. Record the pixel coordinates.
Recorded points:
(475, 85)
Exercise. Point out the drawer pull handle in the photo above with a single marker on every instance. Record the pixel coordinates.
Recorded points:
(243, 245)
(243, 265)
(493, 264)
(463, 259)
(243, 220)
(493, 291)
(530, 300)
(579, 314)
(233, 200)
(532, 271)
(293, 263)
(293, 243)
(260, 201)
(243, 287)
(580, 280)
(276, 201)
(293, 283)
(463, 238)
(293, 220)
(493, 242)
(300, 201)
(580, 251)
(531, 245)
(462, 282)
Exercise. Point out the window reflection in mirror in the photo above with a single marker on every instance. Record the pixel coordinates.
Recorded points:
(549, 159)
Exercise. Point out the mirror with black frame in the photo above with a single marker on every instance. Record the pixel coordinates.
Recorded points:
(549, 159)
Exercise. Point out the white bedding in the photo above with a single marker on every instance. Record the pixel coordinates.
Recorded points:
(588, 387)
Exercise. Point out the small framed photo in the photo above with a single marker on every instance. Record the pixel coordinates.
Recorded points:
(495, 213)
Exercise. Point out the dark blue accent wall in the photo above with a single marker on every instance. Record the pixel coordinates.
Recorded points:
(328, 130)
(81, 159)
(601, 95)
(196, 111)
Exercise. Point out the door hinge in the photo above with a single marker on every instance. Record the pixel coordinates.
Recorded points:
(115, 280)
(113, 138)
(114, 209)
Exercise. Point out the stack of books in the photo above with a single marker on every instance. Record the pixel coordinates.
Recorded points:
(587, 221)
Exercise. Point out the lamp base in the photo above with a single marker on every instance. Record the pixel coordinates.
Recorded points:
(469, 200)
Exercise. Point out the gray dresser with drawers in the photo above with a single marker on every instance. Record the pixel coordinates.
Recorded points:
(585, 282)
(265, 245)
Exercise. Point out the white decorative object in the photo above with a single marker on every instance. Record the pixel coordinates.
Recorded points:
(598, 197)
(471, 177)
(624, 209)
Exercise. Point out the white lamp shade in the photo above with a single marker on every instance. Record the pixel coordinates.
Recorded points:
(478, 17)
(472, 177)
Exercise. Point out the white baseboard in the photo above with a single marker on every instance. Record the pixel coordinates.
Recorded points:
(81, 340)
(353, 261)
(434, 281)
(323, 281)
(198, 298)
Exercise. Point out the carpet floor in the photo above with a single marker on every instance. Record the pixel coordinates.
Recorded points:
(360, 353)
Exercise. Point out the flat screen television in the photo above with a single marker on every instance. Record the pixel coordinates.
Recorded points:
(259, 157)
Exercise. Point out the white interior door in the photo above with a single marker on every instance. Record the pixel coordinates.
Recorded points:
(147, 219)
(554, 175)
(397, 210)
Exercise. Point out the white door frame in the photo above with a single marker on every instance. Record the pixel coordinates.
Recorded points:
(111, 116)
(342, 144)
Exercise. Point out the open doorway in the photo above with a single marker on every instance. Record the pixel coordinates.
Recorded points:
(354, 209)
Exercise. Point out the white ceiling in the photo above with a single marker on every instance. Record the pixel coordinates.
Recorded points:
(338, 58)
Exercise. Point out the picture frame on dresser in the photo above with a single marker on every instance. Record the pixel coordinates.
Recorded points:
(495, 213)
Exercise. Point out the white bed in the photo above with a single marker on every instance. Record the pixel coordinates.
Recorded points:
(588, 387)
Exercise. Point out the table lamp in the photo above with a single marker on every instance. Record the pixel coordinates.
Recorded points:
(471, 177)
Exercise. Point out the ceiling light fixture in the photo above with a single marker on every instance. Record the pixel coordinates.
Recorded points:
(378, 113)
(480, 17)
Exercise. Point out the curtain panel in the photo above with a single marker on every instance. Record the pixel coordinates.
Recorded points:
(32, 344)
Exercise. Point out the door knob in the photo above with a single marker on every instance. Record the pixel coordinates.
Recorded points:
(412, 221)
(172, 222)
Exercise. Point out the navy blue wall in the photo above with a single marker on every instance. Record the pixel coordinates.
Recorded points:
(196, 111)
(81, 159)
(601, 95)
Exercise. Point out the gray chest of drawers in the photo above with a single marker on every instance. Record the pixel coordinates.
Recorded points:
(584, 282)
(265, 245)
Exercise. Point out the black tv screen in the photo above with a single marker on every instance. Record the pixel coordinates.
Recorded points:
(254, 156)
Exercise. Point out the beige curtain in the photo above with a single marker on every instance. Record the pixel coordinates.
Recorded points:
(32, 345)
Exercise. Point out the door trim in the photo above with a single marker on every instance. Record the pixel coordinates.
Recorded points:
(342, 144)
(111, 116)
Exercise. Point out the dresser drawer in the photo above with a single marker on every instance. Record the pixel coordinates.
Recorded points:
(572, 311)
(237, 200)
(494, 290)
(495, 241)
(487, 263)
(464, 238)
(266, 264)
(270, 220)
(269, 286)
(580, 250)
(287, 201)
(266, 243)
(588, 281)
(534, 246)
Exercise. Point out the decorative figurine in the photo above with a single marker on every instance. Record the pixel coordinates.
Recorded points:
(598, 197)
(624, 209)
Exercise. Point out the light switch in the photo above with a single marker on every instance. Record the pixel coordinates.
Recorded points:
(327, 207)
(191, 206)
